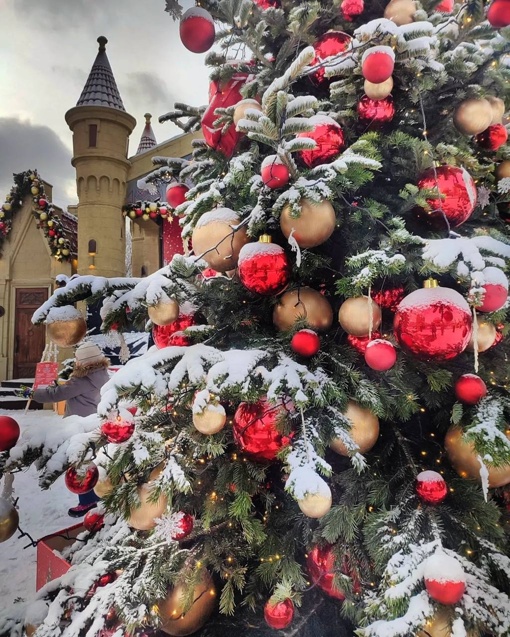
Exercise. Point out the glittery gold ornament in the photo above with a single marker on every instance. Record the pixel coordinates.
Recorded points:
(400, 11)
(315, 224)
(440, 625)
(164, 312)
(143, 517)
(473, 116)
(485, 337)
(503, 169)
(243, 106)
(30, 630)
(103, 487)
(315, 505)
(67, 333)
(378, 91)
(354, 315)
(9, 520)
(464, 460)
(304, 303)
(211, 420)
(498, 108)
(364, 430)
(175, 621)
(216, 239)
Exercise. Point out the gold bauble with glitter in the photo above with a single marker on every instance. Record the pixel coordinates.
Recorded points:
(67, 333)
(9, 520)
(216, 241)
(400, 11)
(175, 621)
(485, 337)
(378, 91)
(364, 430)
(103, 487)
(243, 106)
(498, 109)
(164, 312)
(30, 630)
(211, 420)
(354, 315)
(304, 303)
(315, 505)
(464, 460)
(503, 169)
(143, 517)
(315, 224)
(473, 116)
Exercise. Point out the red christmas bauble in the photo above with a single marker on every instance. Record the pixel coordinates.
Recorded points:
(279, 615)
(162, 334)
(320, 564)
(197, 30)
(331, 44)
(445, 7)
(433, 323)
(9, 433)
(388, 299)
(81, 480)
(360, 342)
(380, 355)
(493, 137)
(255, 429)
(118, 430)
(444, 578)
(268, 4)
(42, 203)
(178, 339)
(377, 64)
(351, 9)
(470, 389)
(93, 521)
(106, 579)
(263, 268)
(375, 113)
(176, 194)
(330, 140)
(138, 212)
(458, 192)
(498, 14)
(184, 527)
(305, 343)
(274, 174)
(431, 487)
(495, 284)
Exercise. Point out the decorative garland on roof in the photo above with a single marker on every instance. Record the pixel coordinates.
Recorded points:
(48, 221)
(146, 210)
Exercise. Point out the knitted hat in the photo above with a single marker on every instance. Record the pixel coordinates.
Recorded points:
(88, 354)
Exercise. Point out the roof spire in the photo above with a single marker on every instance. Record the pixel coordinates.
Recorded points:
(102, 42)
(148, 139)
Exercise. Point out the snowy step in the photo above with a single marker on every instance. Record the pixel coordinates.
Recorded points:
(17, 382)
(14, 402)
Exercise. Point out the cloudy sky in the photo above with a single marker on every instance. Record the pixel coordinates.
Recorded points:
(47, 48)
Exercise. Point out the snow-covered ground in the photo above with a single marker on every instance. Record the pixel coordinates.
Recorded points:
(40, 512)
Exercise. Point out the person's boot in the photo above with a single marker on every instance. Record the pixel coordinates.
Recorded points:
(81, 509)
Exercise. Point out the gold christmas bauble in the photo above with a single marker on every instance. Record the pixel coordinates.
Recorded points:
(211, 420)
(400, 11)
(243, 106)
(364, 430)
(103, 487)
(378, 91)
(354, 315)
(315, 505)
(215, 240)
(6, 206)
(304, 303)
(315, 224)
(498, 109)
(440, 624)
(177, 623)
(473, 116)
(164, 313)
(67, 333)
(485, 337)
(30, 630)
(463, 458)
(143, 517)
(9, 520)
(34, 190)
(503, 169)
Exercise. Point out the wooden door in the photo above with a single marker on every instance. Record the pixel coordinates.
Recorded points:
(29, 339)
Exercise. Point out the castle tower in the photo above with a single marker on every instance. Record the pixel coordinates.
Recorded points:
(148, 139)
(101, 129)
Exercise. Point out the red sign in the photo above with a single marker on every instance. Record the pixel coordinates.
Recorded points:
(45, 374)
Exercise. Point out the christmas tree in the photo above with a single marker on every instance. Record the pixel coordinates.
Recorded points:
(266, 465)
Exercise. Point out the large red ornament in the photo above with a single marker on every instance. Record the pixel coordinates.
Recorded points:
(495, 285)
(263, 268)
(118, 430)
(268, 4)
(274, 173)
(445, 579)
(330, 45)
(360, 343)
(305, 343)
(388, 299)
(377, 64)
(279, 615)
(93, 521)
(255, 429)
(493, 137)
(162, 334)
(197, 30)
(351, 9)
(320, 563)
(330, 140)
(498, 14)
(445, 7)
(380, 355)
(433, 323)
(458, 192)
(375, 113)
(81, 480)
(470, 389)
(183, 527)
(176, 194)
(431, 487)
(9, 433)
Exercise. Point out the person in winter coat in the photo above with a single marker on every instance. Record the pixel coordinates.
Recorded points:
(82, 393)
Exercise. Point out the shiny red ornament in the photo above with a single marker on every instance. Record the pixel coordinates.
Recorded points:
(431, 487)
(93, 521)
(255, 429)
(197, 30)
(445, 579)
(279, 615)
(9, 432)
(263, 268)
(81, 480)
(138, 212)
(176, 194)
(184, 527)
(388, 299)
(179, 339)
(162, 334)
(274, 174)
(330, 45)
(305, 343)
(470, 389)
(445, 7)
(447, 593)
(375, 113)
(494, 299)
(359, 343)
(42, 203)
(377, 64)
(493, 137)
(320, 564)
(351, 9)
(458, 192)
(132, 409)
(118, 430)
(433, 324)
(106, 579)
(380, 355)
(329, 138)
(498, 14)
(268, 4)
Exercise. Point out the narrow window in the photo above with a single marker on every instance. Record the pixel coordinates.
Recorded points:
(92, 135)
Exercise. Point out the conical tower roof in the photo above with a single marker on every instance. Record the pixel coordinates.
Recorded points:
(101, 88)
(148, 139)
